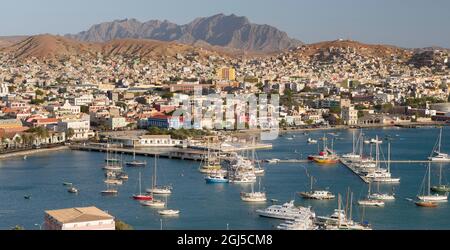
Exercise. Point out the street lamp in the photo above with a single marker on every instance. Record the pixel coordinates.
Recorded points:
(39, 225)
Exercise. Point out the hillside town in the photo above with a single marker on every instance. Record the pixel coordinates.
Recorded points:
(72, 98)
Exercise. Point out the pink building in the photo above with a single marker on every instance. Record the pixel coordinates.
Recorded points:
(81, 218)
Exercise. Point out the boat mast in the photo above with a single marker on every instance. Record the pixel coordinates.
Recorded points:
(440, 138)
(377, 152)
(154, 174)
(440, 174)
(429, 178)
(389, 157)
(339, 211)
(351, 206)
(346, 201)
(353, 142)
(140, 183)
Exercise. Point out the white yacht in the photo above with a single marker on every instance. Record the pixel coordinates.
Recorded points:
(382, 197)
(287, 211)
(169, 212)
(303, 222)
(437, 155)
(312, 141)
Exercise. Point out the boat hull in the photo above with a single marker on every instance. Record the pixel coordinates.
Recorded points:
(426, 204)
(142, 197)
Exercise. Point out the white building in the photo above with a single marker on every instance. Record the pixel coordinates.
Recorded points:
(349, 115)
(146, 141)
(81, 127)
(82, 218)
(4, 91)
(83, 100)
(116, 122)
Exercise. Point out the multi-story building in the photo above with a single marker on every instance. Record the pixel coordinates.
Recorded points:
(349, 115)
(226, 73)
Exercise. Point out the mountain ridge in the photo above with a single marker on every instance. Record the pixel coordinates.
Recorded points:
(229, 31)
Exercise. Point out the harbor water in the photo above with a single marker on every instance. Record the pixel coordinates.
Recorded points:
(218, 206)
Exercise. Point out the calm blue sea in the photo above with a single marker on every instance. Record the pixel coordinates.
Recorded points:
(206, 206)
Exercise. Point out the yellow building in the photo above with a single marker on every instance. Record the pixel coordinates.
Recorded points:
(226, 73)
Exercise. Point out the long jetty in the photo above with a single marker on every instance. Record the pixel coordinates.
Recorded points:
(194, 154)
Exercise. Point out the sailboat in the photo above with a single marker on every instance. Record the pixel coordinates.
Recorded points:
(426, 199)
(154, 203)
(168, 212)
(112, 164)
(326, 156)
(340, 220)
(140, 196)
(210, 164)
(382, 196)
(371, 202)
(437, 155)
(317, 194)
(136, 163)
(155, 189)
(353, 155)
(441, 188)
(254, 196)
(109, 158)
(381, 174)
(109, 191)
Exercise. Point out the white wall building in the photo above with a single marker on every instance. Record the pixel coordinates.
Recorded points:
(83, 218)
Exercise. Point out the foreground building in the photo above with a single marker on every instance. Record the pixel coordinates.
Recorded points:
(82, 218)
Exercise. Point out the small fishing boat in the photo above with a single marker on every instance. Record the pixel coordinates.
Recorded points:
(272, 161)
(169, 212)
(72, 190)
(216, 178)
(67, 183)
(311, 141)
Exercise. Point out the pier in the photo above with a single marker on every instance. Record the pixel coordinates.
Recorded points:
(189, 153)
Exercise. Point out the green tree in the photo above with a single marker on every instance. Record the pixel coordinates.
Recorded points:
(84, 109)
(39, 92)
(18, 227)
(120, 225)
(70, 133)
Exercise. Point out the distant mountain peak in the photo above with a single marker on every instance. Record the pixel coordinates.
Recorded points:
(229, 31)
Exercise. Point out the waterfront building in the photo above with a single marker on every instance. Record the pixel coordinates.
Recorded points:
(80, 126)
(349, 115)
(165, 121)
(146, 141)
(82, 218)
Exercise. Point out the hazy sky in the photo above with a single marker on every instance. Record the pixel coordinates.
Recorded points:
(407, 23)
